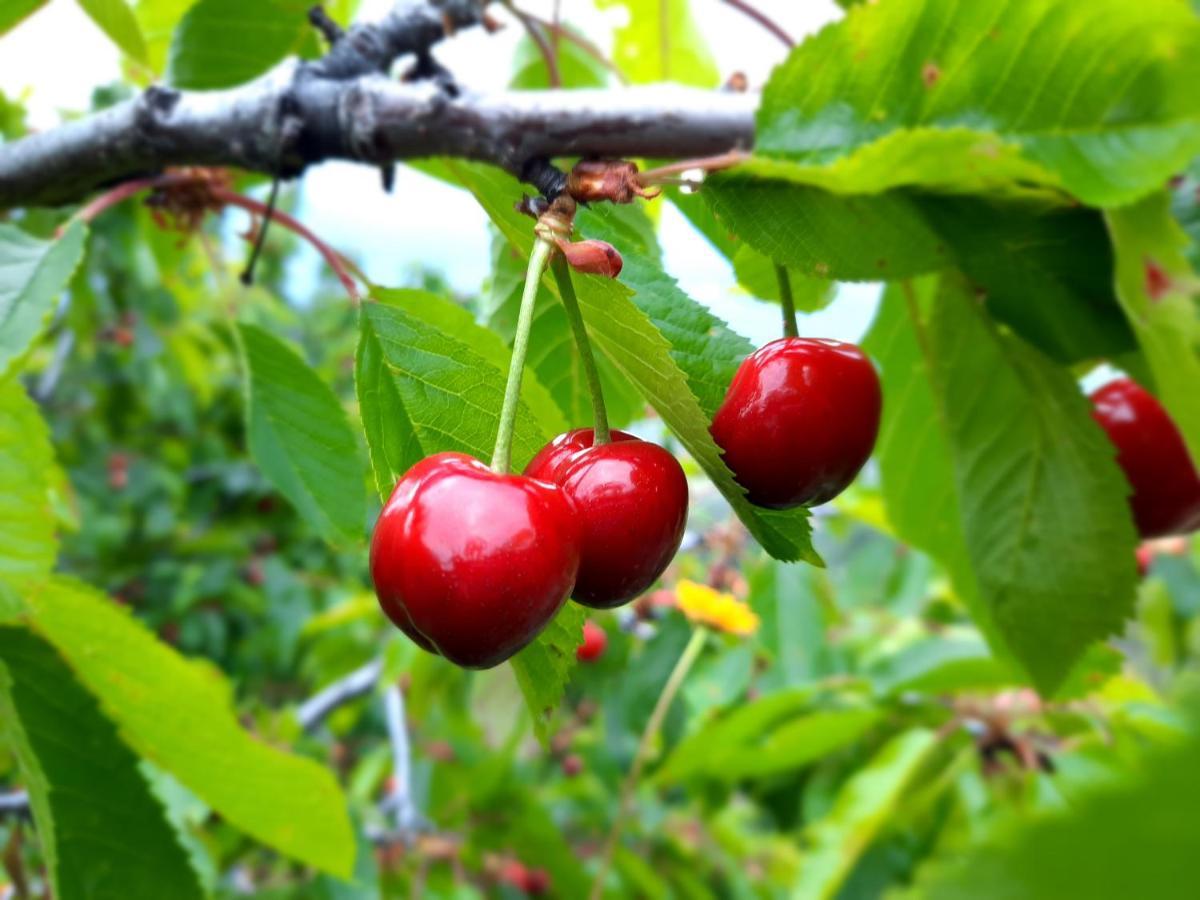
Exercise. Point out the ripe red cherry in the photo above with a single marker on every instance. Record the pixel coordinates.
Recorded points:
(1150, 449)
(631, 498)
(595, 639)
(799, 420)
(472, 564)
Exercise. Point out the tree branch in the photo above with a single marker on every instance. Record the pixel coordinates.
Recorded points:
(344, 106)
(313, 711)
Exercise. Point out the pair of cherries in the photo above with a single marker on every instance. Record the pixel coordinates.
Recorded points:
(472, 564)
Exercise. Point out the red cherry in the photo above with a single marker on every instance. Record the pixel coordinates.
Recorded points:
(1150, 449)
(799, 420)
(537, 882)
(472, 564)
(572, 765)
(595, 639)
(631, 497)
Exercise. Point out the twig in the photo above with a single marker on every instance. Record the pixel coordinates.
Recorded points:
(14, 803)
(399, 800)
(762, 19)
(558, 30)
(313, 711)
(645, 746)
(534, 29)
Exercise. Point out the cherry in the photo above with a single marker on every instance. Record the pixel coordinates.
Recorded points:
(572, 765)
(799, 420)
(1150, 450)
(470, 563)
(631, 497)
(1144, 556)
(595, 639)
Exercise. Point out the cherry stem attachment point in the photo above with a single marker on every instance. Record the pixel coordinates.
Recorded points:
(645, 747)
(787, 302)
(502, 455)
(566, 289)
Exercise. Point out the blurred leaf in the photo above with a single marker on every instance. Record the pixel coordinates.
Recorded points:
(423, 391)
(629, 321)
(221, 43)
(157, 20)
(544, 667)
(1094, 98)
(576, 67)
(660, 42)
(1131, 837)
(1043, 504)
(178, 715)
(864, 806)
(116, 19)
(1158, 289)
(27, 475)
(940, 665)
(103, 833)
(12, 12)
(33, 273)
(300, 437)
(1185, 206)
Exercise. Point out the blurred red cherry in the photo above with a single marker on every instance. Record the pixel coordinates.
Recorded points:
(595, 640)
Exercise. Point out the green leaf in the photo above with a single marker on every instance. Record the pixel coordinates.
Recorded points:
(660, 42)
(1185, 206)
(300, 437)
(940, 665)
(576, 67)
(32, 275)
(178, 715)
(1123, 839)
(27, 480)
(629, 322)
(781, 736)
(116, 19)
(1158, 289)
(1043, 506)
(544, 667)
(13, 12)
(757, 274)
(423, 391)
(221, 43)
(157, 20)
(863, 808)
(1097, 99)
(1046, 268)
(102, 831)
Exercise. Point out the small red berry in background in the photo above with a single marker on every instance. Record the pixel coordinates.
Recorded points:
(118, 471)
(572, 765)
(1145, 556)
(1151, 452)
(595, 639)
(799, 420)
(537, 882)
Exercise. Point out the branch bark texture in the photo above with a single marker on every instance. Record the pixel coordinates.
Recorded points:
(344, 106)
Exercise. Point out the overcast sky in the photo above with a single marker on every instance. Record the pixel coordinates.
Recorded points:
(57, 56)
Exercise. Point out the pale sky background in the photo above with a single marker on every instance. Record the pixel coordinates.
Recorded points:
(58, 56)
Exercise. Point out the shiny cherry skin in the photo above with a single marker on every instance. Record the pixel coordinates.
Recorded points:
(1151, 451)
(472, 564)
(595, 640)
(631, 497)
(799, 420)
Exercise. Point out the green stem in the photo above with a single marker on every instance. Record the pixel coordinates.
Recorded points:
(640, 758)
(502, 455)
(786, 301)
(562, 275)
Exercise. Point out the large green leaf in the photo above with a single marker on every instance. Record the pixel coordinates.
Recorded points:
(178, 715)
(300, 437)
(32, 275)
(576, 67)
(863, 808)
(629, 321)
(116, 19)
(27, 541)
(157, 20)
(660, 42)
(1046, 268)
(12, 12)
(220, 43)
(103, 833)
(1127, 838)
(1042, 502)
(1095, 98)
(1158, 289)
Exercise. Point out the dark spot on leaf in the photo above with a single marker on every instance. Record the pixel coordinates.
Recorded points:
(881, 263)
(930, 74)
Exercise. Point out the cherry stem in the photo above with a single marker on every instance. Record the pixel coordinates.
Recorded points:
(502, 455)
(340, 265)
(645, 746)
(705, 163)
(570, 302)
(787, 302)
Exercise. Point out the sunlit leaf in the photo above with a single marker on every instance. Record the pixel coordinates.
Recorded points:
(220, 43)
(116, 19)
(27, 479)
